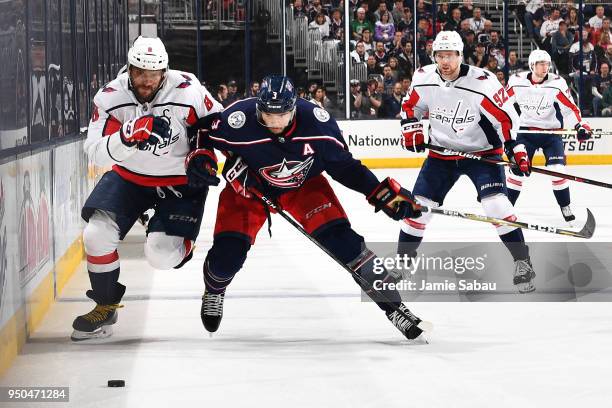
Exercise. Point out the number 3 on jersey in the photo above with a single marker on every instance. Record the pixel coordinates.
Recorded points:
(500, 97)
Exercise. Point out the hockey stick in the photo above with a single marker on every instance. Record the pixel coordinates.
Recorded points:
(586, 232)
(596, 132)
(507, 163)
(423, 325)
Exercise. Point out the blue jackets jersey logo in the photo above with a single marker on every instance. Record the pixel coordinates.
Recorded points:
(288, 174)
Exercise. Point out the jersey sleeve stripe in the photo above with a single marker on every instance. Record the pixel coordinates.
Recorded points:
(408, 105)
(221, 140)
(510, 91)
(565, 101)
(112, 125)
(333, 139)
(501, 116)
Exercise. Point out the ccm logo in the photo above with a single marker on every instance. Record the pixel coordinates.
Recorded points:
(184, 218)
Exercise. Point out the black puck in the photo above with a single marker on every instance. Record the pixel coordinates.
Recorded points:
(116, 383)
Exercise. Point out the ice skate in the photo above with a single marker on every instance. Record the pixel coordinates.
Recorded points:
(408, 329)
(524, 275)
(212, 310)
(568, 216)
(96, 324)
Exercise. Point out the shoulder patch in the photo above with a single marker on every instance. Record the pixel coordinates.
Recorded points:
(108, 89)
(236, 119)
(321, 114)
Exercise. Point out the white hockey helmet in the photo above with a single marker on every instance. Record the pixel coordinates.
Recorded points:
(148, 53)
(448, 41)
(538, 56)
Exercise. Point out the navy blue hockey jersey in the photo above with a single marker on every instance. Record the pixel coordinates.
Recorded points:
(311, 145)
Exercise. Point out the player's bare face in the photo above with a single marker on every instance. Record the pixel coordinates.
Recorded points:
(145, 82)
(540, 70)
(448, 64)
(276, 122)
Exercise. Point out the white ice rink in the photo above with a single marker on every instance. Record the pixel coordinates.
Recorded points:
(295, 333)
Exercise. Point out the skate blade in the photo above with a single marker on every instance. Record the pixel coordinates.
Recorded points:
(102, 333)
(425, 326)
(526, 287)
(419, 341)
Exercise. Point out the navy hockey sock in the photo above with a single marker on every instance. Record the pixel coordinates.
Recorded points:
(515, 242)
(562, 196)
(223, 261)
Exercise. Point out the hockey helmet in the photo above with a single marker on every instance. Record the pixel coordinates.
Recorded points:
(148, 53)
(277, 95)
(448, 41)
(538, 56)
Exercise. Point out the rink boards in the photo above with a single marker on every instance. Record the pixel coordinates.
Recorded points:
(377, 143)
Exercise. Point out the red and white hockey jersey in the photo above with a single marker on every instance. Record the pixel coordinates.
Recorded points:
(181, 99)
(548, 105)
(472, 113)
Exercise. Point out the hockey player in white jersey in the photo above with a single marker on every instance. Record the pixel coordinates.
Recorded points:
(469, 111)
(139, 129)
(545, 103)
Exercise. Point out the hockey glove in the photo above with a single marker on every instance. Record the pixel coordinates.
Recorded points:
(583, 132)
(395, 201)
(412, 131)
(241, 178)
(145, 130)
(201, 168)
(518, 156)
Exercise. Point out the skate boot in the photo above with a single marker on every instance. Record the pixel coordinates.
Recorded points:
(96, 324)
(408, 329)
(212, 310)
(567, 213)
(524, 275)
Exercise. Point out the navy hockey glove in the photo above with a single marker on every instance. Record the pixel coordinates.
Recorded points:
(145, 130)
(412, 132)
(395, 201)
(583, 132)
(241, 178)
(518, 156)
(201, 168)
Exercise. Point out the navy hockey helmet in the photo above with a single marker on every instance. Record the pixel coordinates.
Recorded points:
(276, 98)
(277, 95)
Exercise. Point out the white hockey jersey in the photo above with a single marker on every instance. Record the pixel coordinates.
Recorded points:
(548, 105)
(182, 99)
(472, 113)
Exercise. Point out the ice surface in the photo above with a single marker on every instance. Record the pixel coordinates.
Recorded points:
(295, 333)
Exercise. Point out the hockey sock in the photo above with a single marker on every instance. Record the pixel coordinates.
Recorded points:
(223, 262)
(515, 242)
(104, 275)
(562, 196)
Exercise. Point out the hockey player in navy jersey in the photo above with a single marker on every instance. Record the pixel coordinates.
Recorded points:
(545, 103)
(139, 128)
(278, 145)
(468, 111)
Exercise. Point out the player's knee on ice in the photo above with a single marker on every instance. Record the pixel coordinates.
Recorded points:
(164, 251)
(101, 234)
(227, 256)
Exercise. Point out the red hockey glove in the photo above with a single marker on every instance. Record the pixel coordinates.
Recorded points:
(395, 201)
(583, 132)
(518, 155)
(144, 130)
(412, 131)
(241, 178)
(201, 168)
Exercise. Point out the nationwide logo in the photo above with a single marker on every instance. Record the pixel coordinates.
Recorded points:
(288, 174)
(453, 117)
